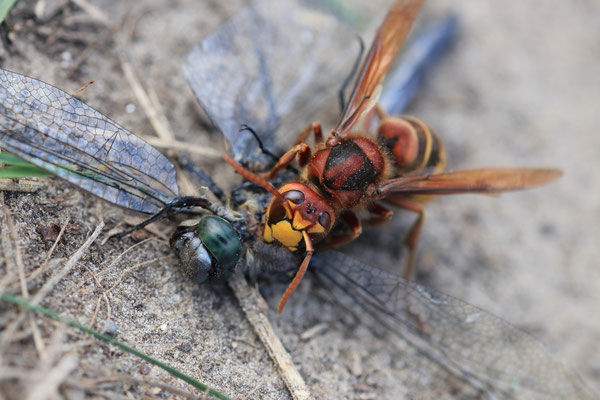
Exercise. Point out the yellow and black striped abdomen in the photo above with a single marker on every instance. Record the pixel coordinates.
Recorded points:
(412, 145)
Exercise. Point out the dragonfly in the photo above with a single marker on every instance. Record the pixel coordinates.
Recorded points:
(57, 132)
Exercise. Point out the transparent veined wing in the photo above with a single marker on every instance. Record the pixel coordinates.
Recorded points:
(422, 53)
(276, 67)
(473, 344)
(59, 133)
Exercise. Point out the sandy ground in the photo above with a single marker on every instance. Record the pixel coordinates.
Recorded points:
(520, 88)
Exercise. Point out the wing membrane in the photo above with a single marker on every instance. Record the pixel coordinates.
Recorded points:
(276, 67)
(481, 348)
(387, 42)
(57, 132)
(489, 180)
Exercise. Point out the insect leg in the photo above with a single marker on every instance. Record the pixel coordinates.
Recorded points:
(315, 127)
(299, 275)
(341, 92)
(260, 181)
(159, 215)
(202, 177)
(183, 202)
(379, 214)
(260, 143)
(301, 150)
(412, 238)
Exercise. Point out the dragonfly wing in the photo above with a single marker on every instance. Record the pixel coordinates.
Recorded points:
(468, 341)
(276, 67)
(57, 132)
(423, 52)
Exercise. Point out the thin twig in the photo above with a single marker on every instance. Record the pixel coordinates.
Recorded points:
(51, 251)
(6, 247)
(38, 341)
(94, 12)
(161, 129)
(133, 268)
(255, 308)
(106, 268)
(178, 145)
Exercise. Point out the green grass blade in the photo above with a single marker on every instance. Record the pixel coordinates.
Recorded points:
(5, 6)
(51, 314)
(24, 169)
(15, 168)
(16, 172)
(11, 159)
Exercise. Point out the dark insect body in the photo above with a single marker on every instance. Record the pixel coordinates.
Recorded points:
(208, 249)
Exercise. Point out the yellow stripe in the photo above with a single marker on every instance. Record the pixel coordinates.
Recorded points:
(286, 235)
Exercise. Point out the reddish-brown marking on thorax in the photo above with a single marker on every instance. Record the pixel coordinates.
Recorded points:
(346, 169)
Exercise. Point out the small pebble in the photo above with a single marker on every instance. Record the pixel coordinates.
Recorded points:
(130, 108)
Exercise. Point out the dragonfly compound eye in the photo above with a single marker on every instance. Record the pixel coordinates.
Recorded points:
(196, 262)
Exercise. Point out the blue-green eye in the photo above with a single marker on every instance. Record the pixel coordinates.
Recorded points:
(208, 249)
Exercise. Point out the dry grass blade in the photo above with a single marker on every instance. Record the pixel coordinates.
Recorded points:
(95, 383)
(47, 379)
(23, 185)
(158, 123)
(177, 145)
(94, 12)
(49, 285)
(15, 250)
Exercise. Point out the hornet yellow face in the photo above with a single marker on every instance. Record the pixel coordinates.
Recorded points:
(309, 212)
